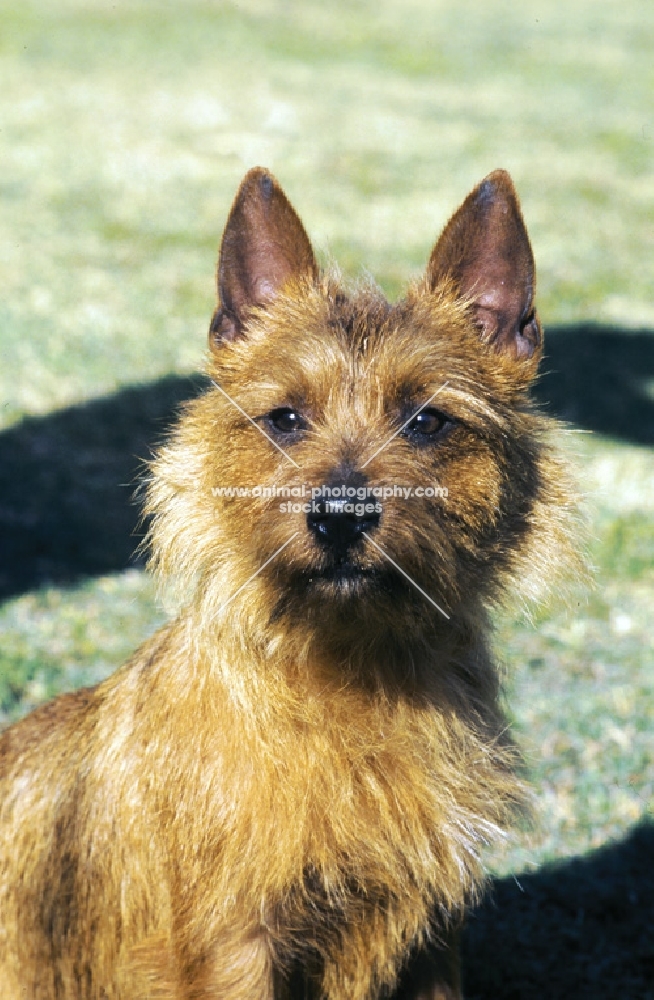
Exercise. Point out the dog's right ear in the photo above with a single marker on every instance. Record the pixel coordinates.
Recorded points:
(263, 246)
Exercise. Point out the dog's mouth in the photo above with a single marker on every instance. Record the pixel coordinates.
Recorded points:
(335, 580)
(337, 585)
(344, 576)
(349, 581)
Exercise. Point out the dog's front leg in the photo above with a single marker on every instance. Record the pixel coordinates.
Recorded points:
(237, 968)
(433, 973)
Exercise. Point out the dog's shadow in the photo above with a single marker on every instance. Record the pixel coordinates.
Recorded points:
(601, 378)
(67, 485)
(580, 928)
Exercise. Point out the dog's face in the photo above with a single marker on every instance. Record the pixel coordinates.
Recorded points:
(378, 442)
(366, 460)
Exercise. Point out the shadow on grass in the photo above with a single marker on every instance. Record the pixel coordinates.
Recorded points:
(66, 480)
(600, 378)
(67, 483)
(581, 928)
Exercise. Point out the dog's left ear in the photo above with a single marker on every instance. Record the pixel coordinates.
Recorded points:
(485, 250)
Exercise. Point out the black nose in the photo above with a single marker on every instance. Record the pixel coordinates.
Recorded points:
(339, 529)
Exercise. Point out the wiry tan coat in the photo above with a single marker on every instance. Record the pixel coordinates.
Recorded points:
(286, 791)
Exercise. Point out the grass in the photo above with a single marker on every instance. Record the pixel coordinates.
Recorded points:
(581, 683)
(125, 130)
(127, 126)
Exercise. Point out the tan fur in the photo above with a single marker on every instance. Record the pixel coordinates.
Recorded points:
(286, 791)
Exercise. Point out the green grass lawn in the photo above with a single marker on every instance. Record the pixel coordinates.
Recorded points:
(125, 128)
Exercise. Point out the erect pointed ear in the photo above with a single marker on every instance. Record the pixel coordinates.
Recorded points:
(264, 244)
(485, 249)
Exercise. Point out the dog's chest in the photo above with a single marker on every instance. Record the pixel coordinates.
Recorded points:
(345, 824)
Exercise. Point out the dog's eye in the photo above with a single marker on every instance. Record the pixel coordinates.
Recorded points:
(427, 425)
(286, 420)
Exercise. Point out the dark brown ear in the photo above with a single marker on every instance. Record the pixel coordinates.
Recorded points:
(264, 244)
(485, 249)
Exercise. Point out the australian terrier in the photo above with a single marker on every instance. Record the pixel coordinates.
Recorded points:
(285, 792)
